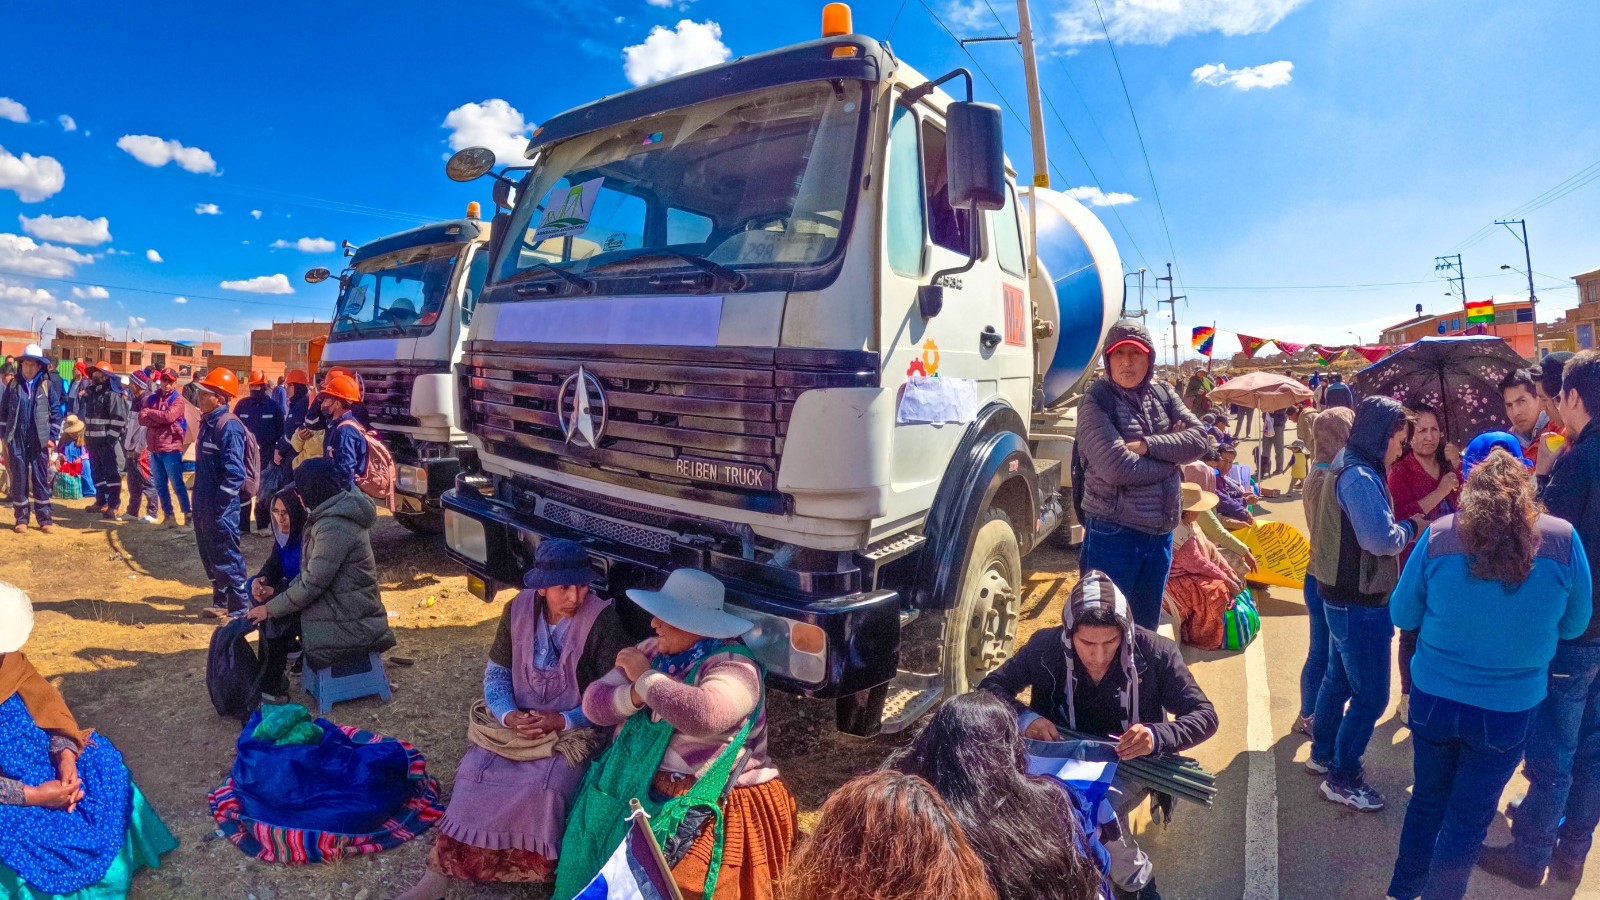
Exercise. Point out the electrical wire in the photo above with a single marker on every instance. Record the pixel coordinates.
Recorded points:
(124, 287)
(1582, 178)
(1154, 190)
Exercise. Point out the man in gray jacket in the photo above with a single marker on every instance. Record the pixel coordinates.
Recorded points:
(1133, 435)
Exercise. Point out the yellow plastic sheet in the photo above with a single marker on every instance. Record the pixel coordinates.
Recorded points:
(1282, 553)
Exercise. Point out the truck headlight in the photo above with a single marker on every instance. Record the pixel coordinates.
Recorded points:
(411, 479)
(466, 536)
(796, 649)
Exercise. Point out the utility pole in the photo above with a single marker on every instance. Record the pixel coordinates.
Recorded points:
(1452, 263)
(1041, 161)
(1527, 259)
(1172, 307)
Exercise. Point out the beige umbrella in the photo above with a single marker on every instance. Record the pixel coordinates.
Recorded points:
(1261, 390)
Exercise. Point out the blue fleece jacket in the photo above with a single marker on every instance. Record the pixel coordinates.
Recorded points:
(1481, 644)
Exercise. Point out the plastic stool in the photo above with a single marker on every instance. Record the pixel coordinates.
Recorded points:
(347, 681)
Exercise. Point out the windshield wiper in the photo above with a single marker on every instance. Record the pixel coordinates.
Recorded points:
(584, 285)
(736, 280)
(355, 324)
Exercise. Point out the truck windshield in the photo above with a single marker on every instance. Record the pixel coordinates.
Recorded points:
(399, 293)
(758, 183)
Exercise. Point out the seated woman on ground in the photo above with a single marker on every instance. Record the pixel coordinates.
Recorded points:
(1202, 584)
(512, 789)
(71, 819)
(336, 593)
(887, 836)
(1030, 832)
(279, 637)
(694, 731)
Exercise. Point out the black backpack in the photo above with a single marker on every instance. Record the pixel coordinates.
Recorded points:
(233, 671)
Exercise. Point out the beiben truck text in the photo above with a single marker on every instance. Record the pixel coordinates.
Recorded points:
(776, 320)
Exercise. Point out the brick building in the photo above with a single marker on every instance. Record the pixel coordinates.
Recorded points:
(1513, 321)
(14, 340)
(286, 343)
(125, 356)
(1579, 327)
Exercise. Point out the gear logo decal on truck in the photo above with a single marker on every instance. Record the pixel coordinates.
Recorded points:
(926, 365)
(581, 404)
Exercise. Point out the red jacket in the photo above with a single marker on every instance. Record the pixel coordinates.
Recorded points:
(162, 418)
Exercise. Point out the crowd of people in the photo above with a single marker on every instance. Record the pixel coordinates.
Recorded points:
(1408, 532)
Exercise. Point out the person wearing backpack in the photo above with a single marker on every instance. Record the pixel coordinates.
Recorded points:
(264, 418)
(221, 472)
(1133, 435)
(345, 443)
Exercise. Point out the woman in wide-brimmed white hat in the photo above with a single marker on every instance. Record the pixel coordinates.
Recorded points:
(75, 820)
(693, 735)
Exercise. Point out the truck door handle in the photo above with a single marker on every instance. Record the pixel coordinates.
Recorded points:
(990, 338)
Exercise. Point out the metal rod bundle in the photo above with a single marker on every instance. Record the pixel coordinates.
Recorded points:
(1168, 773)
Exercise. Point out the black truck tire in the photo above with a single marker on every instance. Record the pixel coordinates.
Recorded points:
(981, 631)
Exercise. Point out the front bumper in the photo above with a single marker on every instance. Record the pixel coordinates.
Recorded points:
(860, 632)
(425, 480)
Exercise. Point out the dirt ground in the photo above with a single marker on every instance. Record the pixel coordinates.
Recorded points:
(118, 631)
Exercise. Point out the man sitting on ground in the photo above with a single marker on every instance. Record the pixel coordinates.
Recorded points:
(1098, 673)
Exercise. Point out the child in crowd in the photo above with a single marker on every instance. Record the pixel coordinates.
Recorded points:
(1298, 467)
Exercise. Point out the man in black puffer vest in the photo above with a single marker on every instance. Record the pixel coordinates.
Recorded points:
(1133, 435)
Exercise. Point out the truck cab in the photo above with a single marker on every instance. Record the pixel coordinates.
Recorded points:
(775, 319)
(404, 307)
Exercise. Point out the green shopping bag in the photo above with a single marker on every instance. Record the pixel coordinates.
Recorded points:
(1241, 623)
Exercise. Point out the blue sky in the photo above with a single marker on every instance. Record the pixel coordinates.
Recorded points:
(1296, 144)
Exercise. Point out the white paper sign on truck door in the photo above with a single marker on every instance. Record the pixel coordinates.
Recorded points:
(567, 209)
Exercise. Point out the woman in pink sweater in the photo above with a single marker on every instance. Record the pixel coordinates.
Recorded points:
(693, 734)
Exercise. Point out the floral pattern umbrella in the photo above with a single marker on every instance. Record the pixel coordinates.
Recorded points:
(1458, 376)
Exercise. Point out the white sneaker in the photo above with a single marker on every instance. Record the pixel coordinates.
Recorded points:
(149, 520)
(1315, 767)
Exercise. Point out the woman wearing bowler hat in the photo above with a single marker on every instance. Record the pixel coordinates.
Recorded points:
(692, 748)
(531, 741)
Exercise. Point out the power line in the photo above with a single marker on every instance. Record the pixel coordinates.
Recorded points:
(1156, 191)
(124, 287)
(1583, 177)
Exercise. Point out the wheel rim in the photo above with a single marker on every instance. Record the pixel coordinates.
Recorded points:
(992, 632)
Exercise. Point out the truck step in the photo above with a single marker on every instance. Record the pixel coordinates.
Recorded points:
(893, 548)
(910, 696)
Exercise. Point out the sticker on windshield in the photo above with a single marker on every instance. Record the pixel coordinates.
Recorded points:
(355, 301)
(567, 210)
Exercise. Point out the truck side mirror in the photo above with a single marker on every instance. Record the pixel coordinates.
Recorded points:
(469, 164)
(318, 275)
(975, 155)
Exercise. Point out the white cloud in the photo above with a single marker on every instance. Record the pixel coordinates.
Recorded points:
(306, 245)
(157, 152)
(968, 16)
(665, 53)
(261, 284)
(152, 256)
(68, 229)
(92, 292)
(33, 177)
(12, 111)
(25, 256)
(206, 209)
(663, 4)
(255, 214)
(1266, 75)
(1093, 196)
(1159, 21)
(180, 300)
(495, 124)
(67, 123)
(23, 306)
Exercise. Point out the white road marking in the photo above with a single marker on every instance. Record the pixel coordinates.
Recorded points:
(1261, 795)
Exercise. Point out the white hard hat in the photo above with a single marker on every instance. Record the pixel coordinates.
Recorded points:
(35, 352)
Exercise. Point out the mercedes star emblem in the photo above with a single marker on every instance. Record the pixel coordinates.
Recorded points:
(580, 420)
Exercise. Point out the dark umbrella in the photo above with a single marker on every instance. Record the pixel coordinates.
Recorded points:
(1458, 376)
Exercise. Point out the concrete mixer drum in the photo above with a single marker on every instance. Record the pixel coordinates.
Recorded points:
(1077, 286)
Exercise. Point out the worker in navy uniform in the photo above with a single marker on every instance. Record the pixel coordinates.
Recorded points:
(31, 415)
(105, 415)
(219, 474)
(264, 417)
(346, 440)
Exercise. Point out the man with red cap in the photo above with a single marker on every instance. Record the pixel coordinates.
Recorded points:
(165, 426)
(104, 410)
(1134, 432)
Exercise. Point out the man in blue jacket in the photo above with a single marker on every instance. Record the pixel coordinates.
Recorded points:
(264, 417)
(346, 440)
(31, 416)
(219, 476)
(1555, 826)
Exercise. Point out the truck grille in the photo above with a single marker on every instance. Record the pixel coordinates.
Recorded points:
(386, 387)
(710, 421)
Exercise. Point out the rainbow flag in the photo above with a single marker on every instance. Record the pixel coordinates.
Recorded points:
(1480, 312)
(1250, 344)
(1202, 339)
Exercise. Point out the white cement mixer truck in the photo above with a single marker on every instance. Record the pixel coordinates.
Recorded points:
(776, 320)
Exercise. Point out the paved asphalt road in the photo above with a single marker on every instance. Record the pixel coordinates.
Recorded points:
(1270, 834)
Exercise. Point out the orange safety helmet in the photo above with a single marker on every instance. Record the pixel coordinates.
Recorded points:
(223, 381)
(297, 376)
(105, 367)
(342, 387)
(259, 376)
